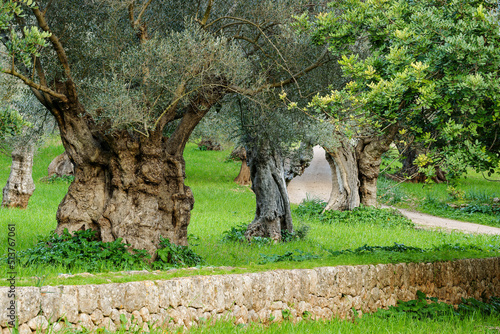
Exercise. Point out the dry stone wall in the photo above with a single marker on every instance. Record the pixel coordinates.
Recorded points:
(267, 296)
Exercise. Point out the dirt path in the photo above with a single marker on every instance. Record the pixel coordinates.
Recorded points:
(316, 183)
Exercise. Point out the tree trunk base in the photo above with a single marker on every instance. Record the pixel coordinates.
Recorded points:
(20, 185)
(272, 215)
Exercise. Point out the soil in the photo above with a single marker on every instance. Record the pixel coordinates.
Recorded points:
(316, 183)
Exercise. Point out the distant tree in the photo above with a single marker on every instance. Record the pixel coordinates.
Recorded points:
(127, 82)
(32, 122)
(431, 64)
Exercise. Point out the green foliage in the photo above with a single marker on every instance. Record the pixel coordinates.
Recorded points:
(171, 255)
(54, 178)
(11, 123)
(398, 248)
(293, 256)
(237, 234)
(454, 193)
(362, 215)
(429, 67)
(81, 250)
(429, 307)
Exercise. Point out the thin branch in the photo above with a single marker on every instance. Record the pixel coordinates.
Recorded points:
(207, 13)
(143, 10)
(293, 78)
(39, 87)
(58, 47)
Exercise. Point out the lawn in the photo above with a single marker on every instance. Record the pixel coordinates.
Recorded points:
(221, 205)
(470, 199)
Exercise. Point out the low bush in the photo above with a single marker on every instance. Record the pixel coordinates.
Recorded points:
(82, 250)
(363, 215)
(429, 307)
(171, 255)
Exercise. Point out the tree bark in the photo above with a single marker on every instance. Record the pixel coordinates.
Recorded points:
(273, 214)
(243, 178)
(369, 155)
(127, 185)
(345, 183)
(20, 185)
(297, 163)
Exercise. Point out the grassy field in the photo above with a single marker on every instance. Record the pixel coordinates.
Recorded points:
(470, 200)
(220, 205)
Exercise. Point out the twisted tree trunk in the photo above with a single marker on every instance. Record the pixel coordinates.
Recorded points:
(127, 185)
(20, 185)
(272, 215)
(369, 156)
(345, 183)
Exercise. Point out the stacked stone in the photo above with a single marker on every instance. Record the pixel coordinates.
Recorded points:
(266, 297)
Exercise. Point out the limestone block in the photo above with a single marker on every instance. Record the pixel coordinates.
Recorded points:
(56, 327)
(144, 312)
(137, 318)
(141, 294)
(111, 296)
(97, 316)
(88, 296)
(84, 321)
(169, 293)
(59, 302)
(25, 329)
(7, 331)
(277, 316)
(28, 301)
(108, 323)
(39, 323)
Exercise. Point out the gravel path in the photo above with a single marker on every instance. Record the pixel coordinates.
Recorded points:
(316, 183)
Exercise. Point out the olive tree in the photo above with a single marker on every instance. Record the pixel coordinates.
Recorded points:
(127, 82)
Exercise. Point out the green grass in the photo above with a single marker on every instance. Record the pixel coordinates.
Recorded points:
(220, 204)
(434, 198)
(366, 325)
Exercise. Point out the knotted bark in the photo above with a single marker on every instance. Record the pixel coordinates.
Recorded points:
(20, 185)
(369, 153)
(272, 215)
(345, 182)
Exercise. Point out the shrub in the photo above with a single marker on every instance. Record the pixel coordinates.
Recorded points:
(171, 255)
(83, 250)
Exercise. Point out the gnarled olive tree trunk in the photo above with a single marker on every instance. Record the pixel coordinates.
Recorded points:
(369, 153)
(127, 185)
(272, 214)
(345, 182)
(355, 170)
(20, 185)
(270, 173)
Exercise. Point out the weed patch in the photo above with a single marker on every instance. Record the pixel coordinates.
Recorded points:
(295, 256)
(430, 308)
(81, 250)
(171, 255)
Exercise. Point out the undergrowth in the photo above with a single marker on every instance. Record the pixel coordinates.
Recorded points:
(314, 209)
(429, 307)
(83, 251)
(237, 234)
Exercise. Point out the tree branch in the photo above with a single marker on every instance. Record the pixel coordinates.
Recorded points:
(293, 78)
(56, 43)
(34, 85)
